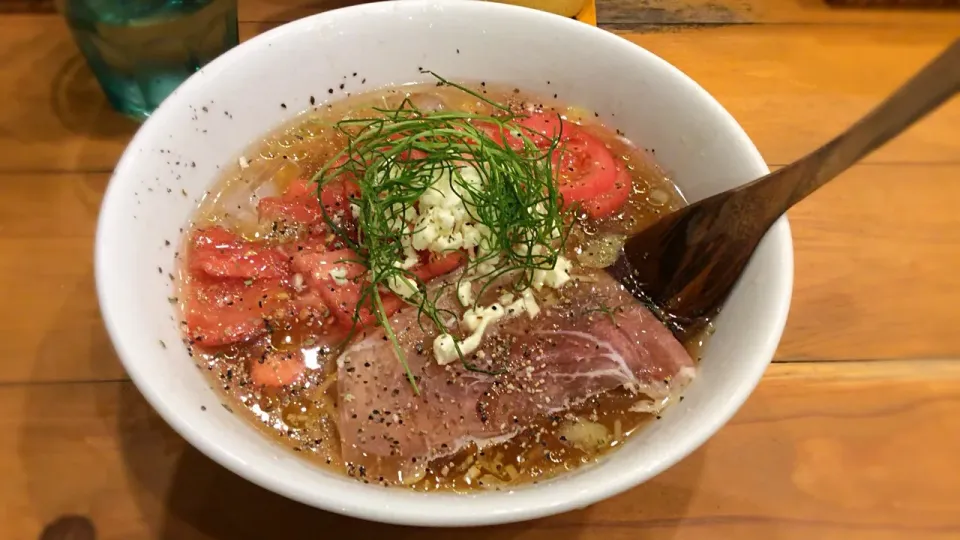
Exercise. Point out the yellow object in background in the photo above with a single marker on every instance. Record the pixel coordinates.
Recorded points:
(567, 8)
(589, 13)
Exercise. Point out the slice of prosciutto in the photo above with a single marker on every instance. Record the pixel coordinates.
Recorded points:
(597, 338)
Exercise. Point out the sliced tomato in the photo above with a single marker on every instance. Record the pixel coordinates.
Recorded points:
(585, 168)
(336, 195)
(313, 303)
(543, 128)
(220, 253)
(277, 368)
(434, 264)
(222, 311)
(299, 203)
(294, 210)
(299, 188)
(611, 201)
(317, 265)
(500, 135)
(343, 299)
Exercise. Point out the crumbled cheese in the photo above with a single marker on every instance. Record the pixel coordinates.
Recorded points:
(298, 282)
(476, 317)
(465, 293)
(445, 349)
(339, 275)
(443, 223)
(476, 320)
(530, 304)
(556, 277)
(403, 286)
(445, 346)
(243, 162)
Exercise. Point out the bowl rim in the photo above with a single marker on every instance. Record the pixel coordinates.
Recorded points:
(545, 505)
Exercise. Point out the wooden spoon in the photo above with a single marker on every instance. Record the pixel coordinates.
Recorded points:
(684, 265)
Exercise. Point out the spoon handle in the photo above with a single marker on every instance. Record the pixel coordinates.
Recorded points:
(927, 90)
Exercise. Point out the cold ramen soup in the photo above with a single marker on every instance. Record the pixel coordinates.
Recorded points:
(408, 287)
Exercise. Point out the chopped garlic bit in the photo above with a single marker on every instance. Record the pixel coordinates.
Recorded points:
(476, 320)
(445, 349)
(555, 278)
(443, 223)
(530, 304)
(403, 286)
(465, 293)
(339, 275)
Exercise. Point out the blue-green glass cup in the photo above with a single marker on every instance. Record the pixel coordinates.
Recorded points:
(141, 50)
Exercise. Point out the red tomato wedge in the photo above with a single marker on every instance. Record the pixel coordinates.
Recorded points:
(299, 203)
(610, 202)
(336, 195)
(434, 265)
(222, 311)
(220, 253)
(585, 168)
(543, 128)
(342, 300)
(317, 265)
(502, 136)
(276, 368)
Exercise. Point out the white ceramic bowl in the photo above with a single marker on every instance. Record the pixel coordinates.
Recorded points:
(212, 117)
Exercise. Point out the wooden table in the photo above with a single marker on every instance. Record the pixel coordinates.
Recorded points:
(854, 432)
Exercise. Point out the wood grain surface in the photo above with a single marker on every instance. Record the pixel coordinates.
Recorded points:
(806, 81)
(852, 434)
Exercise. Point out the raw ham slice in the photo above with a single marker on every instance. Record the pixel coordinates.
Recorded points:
(598, 338)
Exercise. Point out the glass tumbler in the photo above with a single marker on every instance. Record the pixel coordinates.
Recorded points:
(140, 50)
